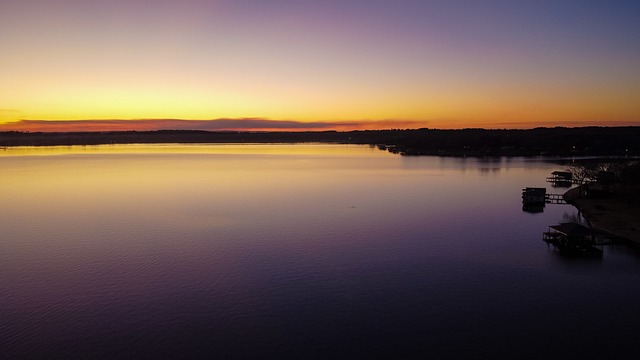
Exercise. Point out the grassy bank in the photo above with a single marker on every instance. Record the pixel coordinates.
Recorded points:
(611, 215)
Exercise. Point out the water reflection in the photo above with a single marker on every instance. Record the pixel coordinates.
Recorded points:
(227, 149)
(290, 251)
(575, 265)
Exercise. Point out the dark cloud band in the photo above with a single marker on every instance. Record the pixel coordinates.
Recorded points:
(245, 124)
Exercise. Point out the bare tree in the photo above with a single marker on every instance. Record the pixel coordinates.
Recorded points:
(582, 173)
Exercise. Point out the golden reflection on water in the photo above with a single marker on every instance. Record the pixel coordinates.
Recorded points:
(223, 149)
(122, 234)
(57, 195)
(108, 191)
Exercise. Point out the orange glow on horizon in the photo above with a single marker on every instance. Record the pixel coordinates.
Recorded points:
(340, 65)
(262, 125)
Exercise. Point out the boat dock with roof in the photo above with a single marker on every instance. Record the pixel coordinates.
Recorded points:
(574, 239)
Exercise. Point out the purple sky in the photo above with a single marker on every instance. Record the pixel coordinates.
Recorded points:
(445, 63)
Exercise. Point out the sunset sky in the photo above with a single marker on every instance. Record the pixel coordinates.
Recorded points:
(348, 64)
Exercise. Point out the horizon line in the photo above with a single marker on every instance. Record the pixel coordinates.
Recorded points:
(269, 125)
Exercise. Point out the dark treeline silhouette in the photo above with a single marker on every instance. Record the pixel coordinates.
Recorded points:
(583, 141)
(617, 178)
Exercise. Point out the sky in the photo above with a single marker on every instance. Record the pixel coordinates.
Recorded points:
(316, 65)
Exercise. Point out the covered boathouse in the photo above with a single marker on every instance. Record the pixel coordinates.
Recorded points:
(573, 239)
(561, 179)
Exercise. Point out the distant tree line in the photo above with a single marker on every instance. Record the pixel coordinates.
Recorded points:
(584, 141)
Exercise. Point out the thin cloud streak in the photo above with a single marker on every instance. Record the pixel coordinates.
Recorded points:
(245, 124)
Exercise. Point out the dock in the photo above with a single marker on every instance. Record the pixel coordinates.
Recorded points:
(574, 239)
(561, 179)
(531, 196)
(555, 199)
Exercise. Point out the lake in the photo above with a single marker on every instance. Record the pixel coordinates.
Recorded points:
(310, 251)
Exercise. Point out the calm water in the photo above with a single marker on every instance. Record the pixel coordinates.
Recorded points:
(296, 252)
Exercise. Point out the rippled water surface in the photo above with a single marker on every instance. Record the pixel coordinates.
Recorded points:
(294, 251)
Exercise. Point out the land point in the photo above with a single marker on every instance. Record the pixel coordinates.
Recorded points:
(614, 216)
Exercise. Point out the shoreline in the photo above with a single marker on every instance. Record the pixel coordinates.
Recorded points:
(573, 142)
(609, 215)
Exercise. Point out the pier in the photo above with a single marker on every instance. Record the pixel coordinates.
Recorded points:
(531, 196)
(561, 179)
(555, 199)
(573, 239)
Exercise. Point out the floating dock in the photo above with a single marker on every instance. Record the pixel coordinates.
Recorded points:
(532, 195)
